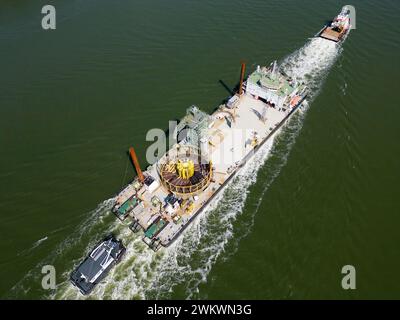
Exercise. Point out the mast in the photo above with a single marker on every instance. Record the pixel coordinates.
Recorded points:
(136, 163)
(274, 68)
(241, 78)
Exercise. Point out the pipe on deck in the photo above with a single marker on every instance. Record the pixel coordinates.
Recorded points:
(242, 78)
(136, 163)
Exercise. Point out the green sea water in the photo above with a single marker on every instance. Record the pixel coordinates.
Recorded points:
(323, 195)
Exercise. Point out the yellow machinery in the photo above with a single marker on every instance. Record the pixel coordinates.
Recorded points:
(254, 140)
(185, 169)
(185, 172)
(189, 208)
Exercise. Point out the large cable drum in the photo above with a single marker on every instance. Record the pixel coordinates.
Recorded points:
(184, 171)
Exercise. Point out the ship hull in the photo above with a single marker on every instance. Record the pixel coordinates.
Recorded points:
(264, 104)
(245, 160)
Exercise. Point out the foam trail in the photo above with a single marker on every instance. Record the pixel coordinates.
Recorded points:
(187, 263)
(94, 219)
(143, 274)
(312, 62)
(33, 247)
(37, 243)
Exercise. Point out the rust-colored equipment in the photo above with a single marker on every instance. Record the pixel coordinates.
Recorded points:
(242, 78)
(136, 163)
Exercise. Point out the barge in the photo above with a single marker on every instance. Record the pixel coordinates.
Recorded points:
(210, 149)
(207, 152)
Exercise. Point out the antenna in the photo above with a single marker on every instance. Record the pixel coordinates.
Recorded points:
(264, 115)
(274, 68)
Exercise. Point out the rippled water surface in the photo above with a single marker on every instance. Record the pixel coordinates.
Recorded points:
(320, 195)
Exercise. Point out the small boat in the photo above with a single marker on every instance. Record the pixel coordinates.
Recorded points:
(97, 265)
(338, 28)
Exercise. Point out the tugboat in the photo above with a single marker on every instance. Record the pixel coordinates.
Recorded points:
(337, 29)
(97, 265)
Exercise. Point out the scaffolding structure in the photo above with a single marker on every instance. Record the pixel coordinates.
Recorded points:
(183, 171)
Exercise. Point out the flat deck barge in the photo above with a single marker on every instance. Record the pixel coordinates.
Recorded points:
(215, 147)
(210, 149)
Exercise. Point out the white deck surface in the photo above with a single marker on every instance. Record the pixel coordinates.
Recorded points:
(231, 145)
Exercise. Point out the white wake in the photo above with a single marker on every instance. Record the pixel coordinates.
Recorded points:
(143, 274)
(187, 263)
